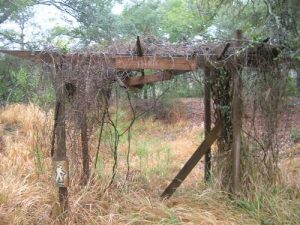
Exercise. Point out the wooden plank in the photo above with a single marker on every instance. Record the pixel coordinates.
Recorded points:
(21, 54)
(192, 162)
(155, 63)
(176, 62)
(122, 62)
(36, 56)
(236, 120)
(152, 78)
(207, 121)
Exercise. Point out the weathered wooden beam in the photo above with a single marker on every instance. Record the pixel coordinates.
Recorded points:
(236, 119)
(207, 121)
(139, 51)
(85, 148)
(36, 56)
(152, 78)
(125, 61)
(222, 53)
(60, 153)
(83, 125)
(192, 162)
(121, 62)
(21, 54)
(156, 63)
(57, 105)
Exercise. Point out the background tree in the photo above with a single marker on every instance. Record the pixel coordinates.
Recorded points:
(96, 23)
(141, 19)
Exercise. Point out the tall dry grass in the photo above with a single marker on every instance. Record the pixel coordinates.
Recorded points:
(28, 194)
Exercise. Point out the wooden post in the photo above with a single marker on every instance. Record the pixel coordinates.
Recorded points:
(85, 148)
(60, 154)
(192, 162)
(236, 119)
(207, 121)
(82, 116)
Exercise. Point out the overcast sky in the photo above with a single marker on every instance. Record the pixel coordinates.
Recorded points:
(46, 18)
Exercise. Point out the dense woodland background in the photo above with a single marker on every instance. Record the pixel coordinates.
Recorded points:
(93, 23)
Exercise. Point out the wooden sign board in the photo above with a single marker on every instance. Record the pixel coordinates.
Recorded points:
(61, 173)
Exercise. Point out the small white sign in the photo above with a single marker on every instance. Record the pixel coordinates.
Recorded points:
(61, 173)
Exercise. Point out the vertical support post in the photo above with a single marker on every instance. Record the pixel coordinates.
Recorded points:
(85, 148)
(236, 119)
(60, 154)
(84, 133)
(298, 83)
(207, 121)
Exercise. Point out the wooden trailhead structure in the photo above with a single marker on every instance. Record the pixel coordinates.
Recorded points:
(218, 60)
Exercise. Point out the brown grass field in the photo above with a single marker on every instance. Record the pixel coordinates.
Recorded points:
(28, 195)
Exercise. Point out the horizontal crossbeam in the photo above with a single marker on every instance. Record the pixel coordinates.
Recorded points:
(256, 56)
(35, 55)
(152, 78)
(155, 63)
(119, 62)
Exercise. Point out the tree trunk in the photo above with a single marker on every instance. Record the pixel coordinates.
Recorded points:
(298, 84)
(153, 91)
(145, 93)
